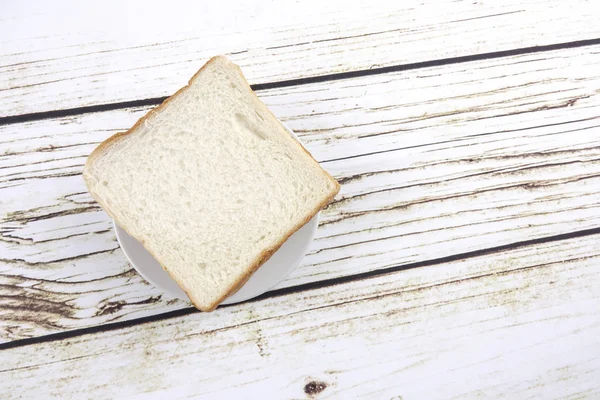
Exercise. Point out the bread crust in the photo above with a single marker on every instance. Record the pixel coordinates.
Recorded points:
(262, 257)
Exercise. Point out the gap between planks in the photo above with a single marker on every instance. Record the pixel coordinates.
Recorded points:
(468, 323)
(82, 63)
(14, 119)
(303, 287)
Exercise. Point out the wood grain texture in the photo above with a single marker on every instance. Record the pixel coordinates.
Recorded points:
(61, 55)
(433, 162)
(519, 324)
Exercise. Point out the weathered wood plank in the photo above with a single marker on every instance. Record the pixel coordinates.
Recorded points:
(517, 324)
(61, 55)
(510, 153)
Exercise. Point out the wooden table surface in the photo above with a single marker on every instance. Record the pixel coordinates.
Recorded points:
(461, 259)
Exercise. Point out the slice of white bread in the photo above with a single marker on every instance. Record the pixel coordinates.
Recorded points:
(210, 182)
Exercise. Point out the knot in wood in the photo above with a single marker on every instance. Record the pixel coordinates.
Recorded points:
(313, 388)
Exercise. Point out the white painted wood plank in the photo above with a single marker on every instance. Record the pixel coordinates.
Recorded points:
(454, 159)
(58, 55)
(518, 324)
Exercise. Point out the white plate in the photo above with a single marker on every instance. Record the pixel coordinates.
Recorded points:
(276, 269)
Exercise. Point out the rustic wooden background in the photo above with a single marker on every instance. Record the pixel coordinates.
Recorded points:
(460, 260)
